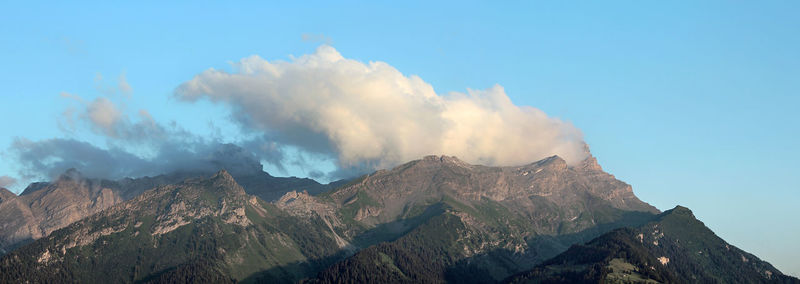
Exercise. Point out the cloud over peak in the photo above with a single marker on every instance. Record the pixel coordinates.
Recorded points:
(371, 115)
(304, 113)
(51, 157)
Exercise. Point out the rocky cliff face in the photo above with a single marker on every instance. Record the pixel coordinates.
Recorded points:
(6, 194)
(499, 220)
(51, 207)
(548, 190)
(44, 207)
(208, 225)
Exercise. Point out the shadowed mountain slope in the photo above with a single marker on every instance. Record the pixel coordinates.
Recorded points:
(673, 248)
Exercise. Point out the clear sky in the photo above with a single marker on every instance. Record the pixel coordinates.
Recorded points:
(691, 103)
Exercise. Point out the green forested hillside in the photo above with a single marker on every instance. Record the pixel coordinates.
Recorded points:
(673, 248)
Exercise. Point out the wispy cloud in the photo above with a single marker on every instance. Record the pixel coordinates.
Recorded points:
(75, 47)
(105, 117)
(123, 86)
(46, 159)
(317, 38)
(136, 145)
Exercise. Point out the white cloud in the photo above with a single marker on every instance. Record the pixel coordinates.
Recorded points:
(371, 114)
(317, 38)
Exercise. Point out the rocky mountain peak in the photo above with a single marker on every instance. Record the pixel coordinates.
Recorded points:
(554, 162)
(436, 161)
(292, 196)
(442, 159)
(590, 164)
(547, 181)
(34, 187)
(6, 194)
(300, 203)
(223, 181)
(223, 175)
(679, 211)
(552, 159)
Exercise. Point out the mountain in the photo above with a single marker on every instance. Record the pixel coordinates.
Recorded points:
(6, 194)
(270, 188)
(437, 219)
(673, 248)
(476, 223)
(206, 230)
(506, 218)
(51, 206)
(44, 207)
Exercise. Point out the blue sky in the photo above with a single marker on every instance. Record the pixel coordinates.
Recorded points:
(691, 103)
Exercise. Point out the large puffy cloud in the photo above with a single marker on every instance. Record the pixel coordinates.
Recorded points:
(371, 115)
(311, 110)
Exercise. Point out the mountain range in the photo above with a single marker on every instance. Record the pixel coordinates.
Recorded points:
(433, 220)
(44, 207)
